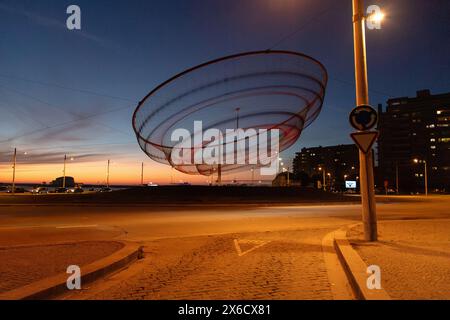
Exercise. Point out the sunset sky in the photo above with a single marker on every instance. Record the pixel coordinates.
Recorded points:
(74, 92)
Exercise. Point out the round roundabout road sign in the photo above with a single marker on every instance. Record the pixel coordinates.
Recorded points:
(363, 118)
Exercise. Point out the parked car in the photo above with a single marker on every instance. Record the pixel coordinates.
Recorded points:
(40, 190)
(105, 189)
(17, 190)
(61, 190)
(75, 190)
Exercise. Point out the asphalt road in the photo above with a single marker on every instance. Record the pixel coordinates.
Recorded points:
(208, 252)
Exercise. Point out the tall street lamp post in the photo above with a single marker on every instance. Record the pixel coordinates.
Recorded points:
(369, 214)
(13, 188)
(64, 171)
(323, 178)
(425, 173)
(396, 177)
(107, 175)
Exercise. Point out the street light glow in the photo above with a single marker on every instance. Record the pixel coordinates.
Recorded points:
(377, 17)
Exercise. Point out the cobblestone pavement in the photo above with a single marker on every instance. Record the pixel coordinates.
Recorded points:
(285, 265)
(23, 265)
(414, 257)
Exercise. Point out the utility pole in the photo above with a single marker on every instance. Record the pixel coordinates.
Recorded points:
(64, 171)
(219, 174)
(323, 178)
(426, 177)
(219, 165)
(142, 174)
(396, 177)
(107, 175)
(288, 177)
(13, 189)
(369, 214)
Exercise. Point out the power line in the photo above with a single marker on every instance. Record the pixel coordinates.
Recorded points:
(350, 83)
(76, 146)
(80, 118)
(312, 20)
(15, 115)
(90, 92)
(304, 25)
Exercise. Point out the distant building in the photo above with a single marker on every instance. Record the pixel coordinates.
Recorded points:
(58, 182)
(412, 128)
(339, 162)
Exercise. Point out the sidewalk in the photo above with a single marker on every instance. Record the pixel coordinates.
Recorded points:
(414, 257)
(23, 265)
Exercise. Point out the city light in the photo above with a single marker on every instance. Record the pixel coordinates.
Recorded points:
(377, 17)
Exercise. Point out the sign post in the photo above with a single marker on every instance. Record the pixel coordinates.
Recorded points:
(369, 214)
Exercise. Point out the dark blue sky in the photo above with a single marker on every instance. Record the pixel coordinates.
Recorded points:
(126, 48)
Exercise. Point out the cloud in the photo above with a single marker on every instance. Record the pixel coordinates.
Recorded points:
(39, 158)
(72, 132)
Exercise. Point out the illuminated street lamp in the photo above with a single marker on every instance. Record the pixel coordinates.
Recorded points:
(64, 169)
(425, 173)
(376, 18)
(13, 188)
(107, 173)
(329, 180)
(367, 184)
(323, 177)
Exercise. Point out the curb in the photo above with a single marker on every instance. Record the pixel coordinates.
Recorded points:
(48, 288)
(355, 268)
(339, 284)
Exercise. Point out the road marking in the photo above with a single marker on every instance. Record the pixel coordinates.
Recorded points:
(257, 243)
(77, 226)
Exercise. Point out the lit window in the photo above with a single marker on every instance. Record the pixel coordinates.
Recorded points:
(433, 147)
(438, 112)
(432, 139)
